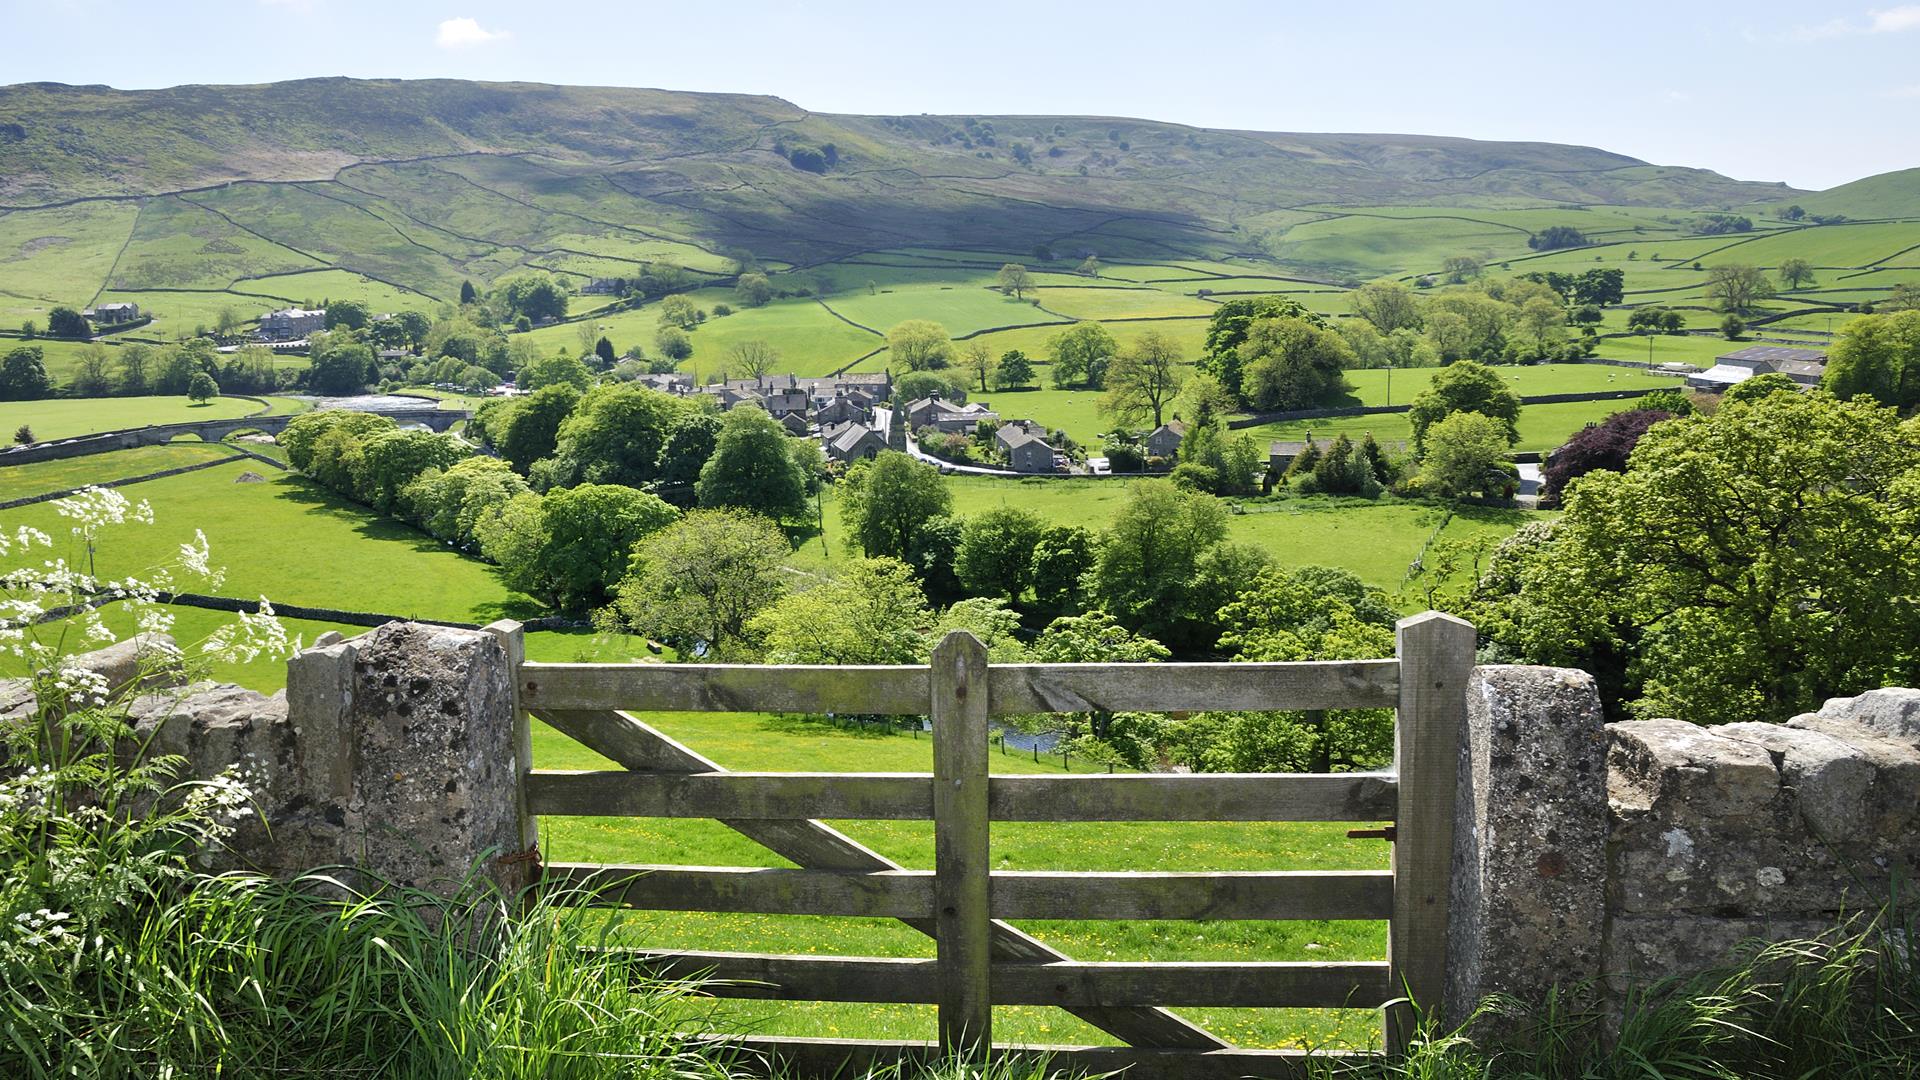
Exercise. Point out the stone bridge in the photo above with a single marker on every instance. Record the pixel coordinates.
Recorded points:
(208, 431)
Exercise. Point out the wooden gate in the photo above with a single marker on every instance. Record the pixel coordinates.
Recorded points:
(981, 960)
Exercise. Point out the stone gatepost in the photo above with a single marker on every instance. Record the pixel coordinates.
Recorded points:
(1530, 837)
(409, 743)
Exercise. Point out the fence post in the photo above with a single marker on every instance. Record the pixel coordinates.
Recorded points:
(513, 639)
(963, 928)
(1436, 660)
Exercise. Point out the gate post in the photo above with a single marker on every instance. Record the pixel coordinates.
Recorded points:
(1436, 660)
(513, 640)
(963, 934)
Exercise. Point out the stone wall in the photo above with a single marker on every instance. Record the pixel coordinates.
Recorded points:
(392, 754)
(1620, 854)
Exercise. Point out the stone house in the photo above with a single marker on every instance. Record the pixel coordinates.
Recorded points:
(113, 314)
(1280, 454)
(288, 324)
(1164, 441)
(1029, 453)
(935, 412)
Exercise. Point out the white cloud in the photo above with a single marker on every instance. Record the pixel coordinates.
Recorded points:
(465, 33)
(1892, 20)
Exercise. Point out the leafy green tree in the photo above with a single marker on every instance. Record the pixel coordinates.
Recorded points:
(352, 314)
(23, 435)
(872, 612)
(1460, 268)
(531, 427)
(688, 448)
(447, 502)
(1227, 331)
(976, 359)
(64, 322)
(1748, 565)
(919, 345)
(1737, 288)
(23, 374)
(135, 361)
(1292, 363)
(1143, 379)
(933, 555)
(753, 290)
(302, 435)
(1878, 356)
(201, 388)
(1096, 638)
(679, 312)
(673, 343)
(752, 469)
(1464, 387)
(613, 436)
(1732, 327)
(887, 500)
(1090, 266)
(467, 293)
(1759, 386)
(915, 385)
(1385, 305)
(1014, 371)
(1671, 400)
(1600, 287)
(588, 537)
(700, 583)
(1150, 557)
(1080, 355)
(1467, 453)
(537, 295)
(1062, 555)
(558, 370)
(603, 352)
(390, 460)
(341, 369)
(1014, 280)
(1554, 237)
(996, 552)
(1796, 272)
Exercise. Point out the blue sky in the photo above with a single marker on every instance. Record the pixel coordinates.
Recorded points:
(1812, 93)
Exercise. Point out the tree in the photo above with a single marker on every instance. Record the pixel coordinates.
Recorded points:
(752, 468)
(872, 612)
(538, 296)
(1467, 453)
(588, 537)
(1386, 305)
(1759, 386)
(1878, 356)
(689, 446)
(886, 501)
(201, 388)
(1464, 387)
(753, 290)
(1747, 565)
(302, 436)
(91, 376)
(341, 369)
(1292, 363)
(1737, 288)
(613, 436)
(1605, 445)
(700, 583)
(1080, 355)
(915, 385)
(995, 557)
(64, 322)
(23, 374)
(919, 345)
(1554, 237)
(352, 314)
(673, 343)
(23, 435)
(603, 351)
(1796, 272)
(1544, 321)
(751, 360)
(532, 425)
(1143, 379)
(1459, 268)
(1150, 556)
(562, 369)
(1600, 287)
(1061, 558)
(1732, 327)
(1090, 266)
(134, 362)
(977, 360)
(389, 460)
(467, 293)
(680, 312)
(1014, 370)
(1015, 281)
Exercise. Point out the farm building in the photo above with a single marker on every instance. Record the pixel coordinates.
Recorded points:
(1164, 441)
(1028, 452)
(113, 314)
(1804, 366)
(853, 440)
(944, 415)
(290, 323)
(1281, 453)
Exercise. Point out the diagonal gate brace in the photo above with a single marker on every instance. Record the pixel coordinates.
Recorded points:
(813, 845)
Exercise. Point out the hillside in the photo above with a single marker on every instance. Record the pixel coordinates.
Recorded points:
(1893, 194)
(537, 169)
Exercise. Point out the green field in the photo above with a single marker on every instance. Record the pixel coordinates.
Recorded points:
(41, 477)
(63, 418)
